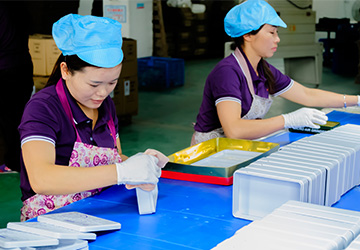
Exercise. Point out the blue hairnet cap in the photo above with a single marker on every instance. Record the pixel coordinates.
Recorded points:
(95, 40)
(249, 16)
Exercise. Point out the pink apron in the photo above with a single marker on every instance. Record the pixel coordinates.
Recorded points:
(258, 109)
(83, 155)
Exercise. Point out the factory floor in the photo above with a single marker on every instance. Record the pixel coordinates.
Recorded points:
(164, 122)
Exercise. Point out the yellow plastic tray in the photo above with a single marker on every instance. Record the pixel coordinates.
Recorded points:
(181, 161)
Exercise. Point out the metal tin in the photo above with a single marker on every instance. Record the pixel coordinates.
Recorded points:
(180, 162)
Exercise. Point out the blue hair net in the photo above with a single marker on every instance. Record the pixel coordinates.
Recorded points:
(249, 16)
(95, 40)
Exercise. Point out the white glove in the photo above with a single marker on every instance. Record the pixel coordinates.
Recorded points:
(305, 117)
(138, 169)
(161, 157)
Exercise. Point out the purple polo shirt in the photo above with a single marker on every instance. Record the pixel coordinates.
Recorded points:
(45, 119)
(227, 82)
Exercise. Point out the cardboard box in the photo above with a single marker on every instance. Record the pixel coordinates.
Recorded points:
(129, 49)
(129, 64)
(40, 82)
(44, 53)
(125, 96)
(52, 54)
(37, 52)
(129, 68)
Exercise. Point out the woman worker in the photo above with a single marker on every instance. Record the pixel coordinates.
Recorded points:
(238, 91)
(70, 145)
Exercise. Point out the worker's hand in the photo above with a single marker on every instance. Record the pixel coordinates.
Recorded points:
(161, 157)
(161, 163)
(138, 169)
(147, 187)
(305, 117)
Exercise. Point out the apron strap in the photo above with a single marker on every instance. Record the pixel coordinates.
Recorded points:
(112, 129)
(245, 69)
(64, 102)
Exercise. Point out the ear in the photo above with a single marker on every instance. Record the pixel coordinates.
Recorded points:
(247, 37)
(64, 70)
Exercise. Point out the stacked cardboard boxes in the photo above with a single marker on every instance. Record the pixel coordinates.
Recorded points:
(125, 95)
(194, 34)
(186, 32)
(44, 53)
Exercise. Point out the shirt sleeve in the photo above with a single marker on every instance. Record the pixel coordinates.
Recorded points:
(225, 83)
(40, 122)
(283, 82)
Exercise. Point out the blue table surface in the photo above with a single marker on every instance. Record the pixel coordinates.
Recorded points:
(189, 215)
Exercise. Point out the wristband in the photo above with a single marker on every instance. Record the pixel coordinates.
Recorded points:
(344, 101)
(358, 102)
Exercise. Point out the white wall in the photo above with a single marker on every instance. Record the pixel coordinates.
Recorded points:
(333, 8)
(85, 7)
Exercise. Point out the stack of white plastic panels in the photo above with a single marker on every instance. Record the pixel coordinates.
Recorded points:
(298, 225)
(318, 169)
(355, 245)
(63, 231)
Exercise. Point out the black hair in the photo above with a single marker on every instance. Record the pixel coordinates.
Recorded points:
(270, 80)
(73, 62)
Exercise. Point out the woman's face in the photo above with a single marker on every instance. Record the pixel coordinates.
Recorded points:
(265, 42)
(92, 85)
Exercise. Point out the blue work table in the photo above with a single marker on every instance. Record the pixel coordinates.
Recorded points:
(189, 215)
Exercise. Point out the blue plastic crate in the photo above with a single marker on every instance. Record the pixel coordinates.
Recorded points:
(160, 72)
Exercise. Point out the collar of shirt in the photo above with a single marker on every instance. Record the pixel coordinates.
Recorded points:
(79, 116)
